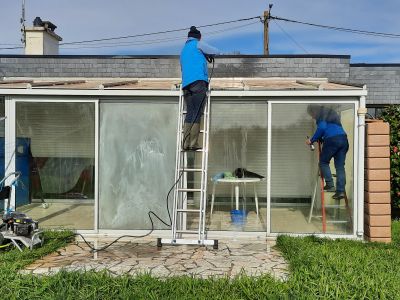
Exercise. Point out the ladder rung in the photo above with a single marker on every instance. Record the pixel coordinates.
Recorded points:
(199, 150)
(188, 210)
(188, 231)
(337, 222)
(190, 190)
(335, 206)
(201, 131)
(185, 112)
(191, 170)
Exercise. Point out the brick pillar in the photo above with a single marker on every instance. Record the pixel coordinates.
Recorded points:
(377, 218)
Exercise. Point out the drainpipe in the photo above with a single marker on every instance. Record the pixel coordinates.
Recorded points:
(360, 184)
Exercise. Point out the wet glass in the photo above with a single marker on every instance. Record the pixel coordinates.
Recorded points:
(238, 140)
(137, 163)
(297, 200)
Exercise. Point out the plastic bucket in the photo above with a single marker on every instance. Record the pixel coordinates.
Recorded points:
(238, 217)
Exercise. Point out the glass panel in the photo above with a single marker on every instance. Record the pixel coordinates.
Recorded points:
(238, 139)
(296, 196)
(55, 154)
(137, 163)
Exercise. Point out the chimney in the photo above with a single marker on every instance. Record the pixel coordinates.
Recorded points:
(41, 39)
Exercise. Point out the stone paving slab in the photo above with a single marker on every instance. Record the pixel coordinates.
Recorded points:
(134, 257)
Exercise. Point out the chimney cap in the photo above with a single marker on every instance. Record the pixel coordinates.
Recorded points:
(46, 24)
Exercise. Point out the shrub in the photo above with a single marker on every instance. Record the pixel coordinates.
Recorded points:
(391, 114)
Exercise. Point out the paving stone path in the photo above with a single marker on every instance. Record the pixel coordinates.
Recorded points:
(253, 258)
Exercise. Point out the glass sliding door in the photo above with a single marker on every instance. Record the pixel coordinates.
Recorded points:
(137, 163)
(55, 153)
(298, 204)
(238, 140)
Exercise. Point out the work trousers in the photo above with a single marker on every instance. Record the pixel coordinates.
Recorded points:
(334, 147)
(195, 95)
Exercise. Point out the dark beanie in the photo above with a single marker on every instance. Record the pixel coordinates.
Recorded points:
(194, 32)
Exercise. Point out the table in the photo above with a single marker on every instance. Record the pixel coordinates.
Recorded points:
(236, 183)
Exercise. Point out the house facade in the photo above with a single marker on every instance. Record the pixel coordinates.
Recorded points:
(95, 137)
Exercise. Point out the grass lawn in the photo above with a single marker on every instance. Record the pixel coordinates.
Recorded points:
(320, 268)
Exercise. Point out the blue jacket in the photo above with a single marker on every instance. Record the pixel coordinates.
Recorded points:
(326, 130)
(193, 63)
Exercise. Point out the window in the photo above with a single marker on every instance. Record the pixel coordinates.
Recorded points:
(55, 154)
(137, 163)
(296, 198)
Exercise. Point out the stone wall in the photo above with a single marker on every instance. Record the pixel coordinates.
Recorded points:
(382, 80)
(334, 67)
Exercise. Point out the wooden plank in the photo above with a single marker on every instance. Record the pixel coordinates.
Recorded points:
(309, 83)
(54, 83)
(15, 81)
(116, 83)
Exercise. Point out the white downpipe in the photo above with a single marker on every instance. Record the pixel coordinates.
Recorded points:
(269, 138)
(360, 183)
(9, 146)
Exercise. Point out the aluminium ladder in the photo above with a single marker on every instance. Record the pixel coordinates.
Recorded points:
(324, 205)
(181, 235)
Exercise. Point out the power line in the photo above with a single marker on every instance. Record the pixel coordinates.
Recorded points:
(358, 31)
(160, 32)
(9, 48)
(155, 41)
(5, 44)
(290, 37)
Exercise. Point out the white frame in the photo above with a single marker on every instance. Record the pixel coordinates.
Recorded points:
(357, 215)
(10, 135)
(93, 96)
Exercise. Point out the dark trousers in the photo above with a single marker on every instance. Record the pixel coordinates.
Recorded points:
(195, 95)
(334, 147)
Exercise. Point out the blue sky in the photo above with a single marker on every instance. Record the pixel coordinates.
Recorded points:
(92, 19)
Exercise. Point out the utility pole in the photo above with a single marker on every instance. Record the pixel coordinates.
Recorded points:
(23, 40)
(267, 14)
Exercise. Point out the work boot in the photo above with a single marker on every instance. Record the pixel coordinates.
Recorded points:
(186, 135)
(194, 136)
(329, 188)
(339, 196)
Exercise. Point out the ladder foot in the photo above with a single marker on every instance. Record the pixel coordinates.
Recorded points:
(215, 246)
(159, 243)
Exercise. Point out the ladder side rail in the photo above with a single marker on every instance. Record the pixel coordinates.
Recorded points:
(201, 200)
(322, 192)
(207, 143)
(184, 196)
(314, 197)
(177, 163)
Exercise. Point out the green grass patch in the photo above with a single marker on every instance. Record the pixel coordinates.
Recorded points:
(320, 268)
(341, 269)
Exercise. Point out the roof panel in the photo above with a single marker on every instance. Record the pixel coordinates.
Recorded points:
(223, 84)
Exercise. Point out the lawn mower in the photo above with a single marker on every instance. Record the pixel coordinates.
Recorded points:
(17, 228)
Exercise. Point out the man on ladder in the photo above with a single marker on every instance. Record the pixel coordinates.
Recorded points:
(335, 145)
(193, 59)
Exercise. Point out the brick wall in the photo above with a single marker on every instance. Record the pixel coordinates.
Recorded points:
(377, 214)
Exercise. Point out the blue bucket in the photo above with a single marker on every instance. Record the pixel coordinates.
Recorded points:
(238, 217)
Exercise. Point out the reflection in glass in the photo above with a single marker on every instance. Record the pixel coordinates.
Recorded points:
(299, 203)
(55, 154)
